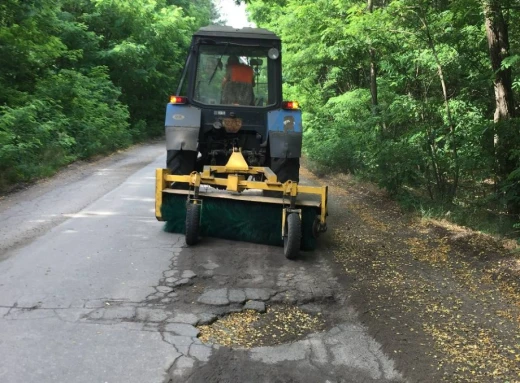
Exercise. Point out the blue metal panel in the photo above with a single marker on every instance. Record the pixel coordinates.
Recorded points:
(285, 120)
(182, 116)
(182, 126)
(285, 133)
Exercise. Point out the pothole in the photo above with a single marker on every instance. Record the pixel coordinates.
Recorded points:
(248, 328)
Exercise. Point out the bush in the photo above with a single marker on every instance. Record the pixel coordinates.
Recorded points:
(71, 116)
(98, 122)
(33, 141)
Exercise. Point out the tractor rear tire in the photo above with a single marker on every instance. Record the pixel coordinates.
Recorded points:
(293, 236)
(181, 162)
(192, 223)
(286, 168)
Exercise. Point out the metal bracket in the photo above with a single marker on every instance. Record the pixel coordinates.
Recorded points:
(286, 211)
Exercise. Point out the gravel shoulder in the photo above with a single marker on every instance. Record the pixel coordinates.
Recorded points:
(443, 301)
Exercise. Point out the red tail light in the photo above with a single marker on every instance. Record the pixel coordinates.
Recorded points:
(290, 105)
(178, 100)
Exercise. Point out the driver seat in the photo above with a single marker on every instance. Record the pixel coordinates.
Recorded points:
(237, 93)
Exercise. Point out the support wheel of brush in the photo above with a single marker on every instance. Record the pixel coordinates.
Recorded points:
(292, 240)
(192, 223)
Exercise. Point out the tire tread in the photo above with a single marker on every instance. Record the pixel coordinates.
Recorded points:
(192, 223)
(291, 243)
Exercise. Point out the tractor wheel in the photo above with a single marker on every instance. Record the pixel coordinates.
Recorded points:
(181, 161)
(293, 236)
(286, 168)
(192, 223)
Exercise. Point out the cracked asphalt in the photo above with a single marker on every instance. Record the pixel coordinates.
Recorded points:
(92, 290)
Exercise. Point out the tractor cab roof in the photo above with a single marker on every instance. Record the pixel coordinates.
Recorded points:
(244, 33)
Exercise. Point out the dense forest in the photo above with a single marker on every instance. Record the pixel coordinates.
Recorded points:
(85, 77)
(419, 96)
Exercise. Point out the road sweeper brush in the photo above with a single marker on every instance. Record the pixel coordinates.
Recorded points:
(234, 147)
(293, 220)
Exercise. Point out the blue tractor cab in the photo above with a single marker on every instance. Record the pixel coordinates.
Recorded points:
(211, 113)
(234, 146)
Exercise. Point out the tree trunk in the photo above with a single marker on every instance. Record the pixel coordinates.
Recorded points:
(373, 74)
(373, 71)
(498, 43)
(373, 81)
(451, 125)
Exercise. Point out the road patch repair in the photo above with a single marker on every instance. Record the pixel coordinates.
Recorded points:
(257, 326)
(264, 313)
(275, 329)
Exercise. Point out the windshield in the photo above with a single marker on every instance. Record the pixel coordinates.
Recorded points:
(233, 75)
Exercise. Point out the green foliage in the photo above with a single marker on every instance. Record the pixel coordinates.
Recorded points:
(28, 46)
(70, 116)
(97, 120)
(33, 140)
(85, 77)
(339, 144)
(415, 138)
(144, 44)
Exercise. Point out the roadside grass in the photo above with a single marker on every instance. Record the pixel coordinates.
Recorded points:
(29, 172)
(474, 208)
(476, 214)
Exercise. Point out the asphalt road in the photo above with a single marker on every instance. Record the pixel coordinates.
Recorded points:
(92, 290)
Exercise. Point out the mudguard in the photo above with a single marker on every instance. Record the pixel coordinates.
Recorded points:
(285, 133)
(182, 125)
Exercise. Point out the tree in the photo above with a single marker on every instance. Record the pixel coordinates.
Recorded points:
(506, 130)
(84, 77)
(499, 51)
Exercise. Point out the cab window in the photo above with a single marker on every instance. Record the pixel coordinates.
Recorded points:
(233, 75)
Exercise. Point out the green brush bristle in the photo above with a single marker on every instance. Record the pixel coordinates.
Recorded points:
(237, 220)
(173, 211)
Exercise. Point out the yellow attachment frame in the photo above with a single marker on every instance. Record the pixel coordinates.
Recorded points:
(237, 181)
